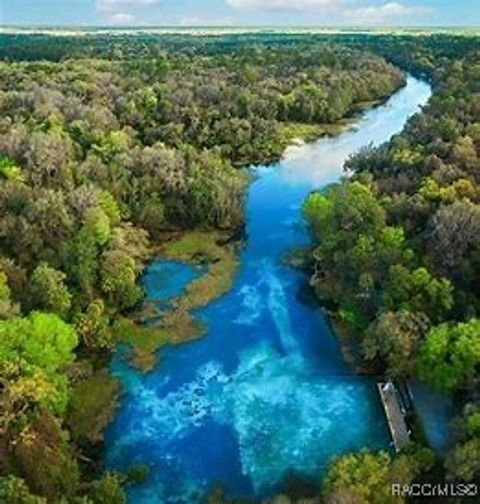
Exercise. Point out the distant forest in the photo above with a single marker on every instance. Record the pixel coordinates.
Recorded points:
(111, 143)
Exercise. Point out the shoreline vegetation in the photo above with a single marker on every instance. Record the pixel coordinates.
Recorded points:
(393, 255)
(151, 328)
(95, 166)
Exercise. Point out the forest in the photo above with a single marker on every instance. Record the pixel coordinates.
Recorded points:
(398, 261)
(111, 145)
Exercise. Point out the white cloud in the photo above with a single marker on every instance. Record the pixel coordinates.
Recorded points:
(121, 18)
(392, 12)
(113, 5)
(284, 5)
(205, 20)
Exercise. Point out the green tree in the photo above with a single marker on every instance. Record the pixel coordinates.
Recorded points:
(8, 308)
(9, 170)
(449, 358)
(98, 224)
(14, 490)
(463, 461)
(93, 327)
(119, 279)
(47, 290)
(110, 207)
(367, 478)
(394, 337)
(418, 291)
(33, 353)
(81, 261)
(107, 490)
(44, 456)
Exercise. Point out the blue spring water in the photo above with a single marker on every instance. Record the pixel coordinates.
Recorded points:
(266, 391)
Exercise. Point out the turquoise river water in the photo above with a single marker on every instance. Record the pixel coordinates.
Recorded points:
(266, 391)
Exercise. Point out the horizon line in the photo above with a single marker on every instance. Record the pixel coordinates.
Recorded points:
(237, 27)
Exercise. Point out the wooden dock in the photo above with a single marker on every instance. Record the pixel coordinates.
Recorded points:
(395, 414)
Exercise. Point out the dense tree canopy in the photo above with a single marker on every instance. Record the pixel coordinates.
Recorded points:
(107, 148)
(367, 478)
(110, 144)
(450, 356)
(397, 249)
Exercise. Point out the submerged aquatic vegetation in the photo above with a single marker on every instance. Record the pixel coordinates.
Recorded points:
(153, 327)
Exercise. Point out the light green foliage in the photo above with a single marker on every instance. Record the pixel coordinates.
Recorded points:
(107, 490)
(9, 170)
(41, 339)
(110, 207)
(14, 491)
(472, 424)
(119, 278)
(367, 478)
(93, 327)
(47, 290)
(317, 209)
(98, 224)
(4, 288)
(111, 144)
(418, 290)
(33, 353)
(450, 355)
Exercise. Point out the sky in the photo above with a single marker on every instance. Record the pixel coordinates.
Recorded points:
(240, 12)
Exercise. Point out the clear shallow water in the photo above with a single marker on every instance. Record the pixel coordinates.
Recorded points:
(266, 390)
(164, 280)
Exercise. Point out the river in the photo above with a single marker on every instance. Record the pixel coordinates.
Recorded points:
(266, 391)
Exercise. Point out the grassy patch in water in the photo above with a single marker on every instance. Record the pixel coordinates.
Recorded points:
(144, 339)
(178, 324)
(309, 132)
(93, 402)
(208, 248)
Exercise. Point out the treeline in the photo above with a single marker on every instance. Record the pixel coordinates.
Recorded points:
(99, 158)
(397, 251)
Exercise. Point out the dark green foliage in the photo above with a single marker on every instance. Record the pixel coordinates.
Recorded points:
(463, 461)
(45, 459)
